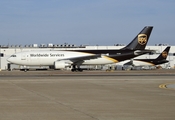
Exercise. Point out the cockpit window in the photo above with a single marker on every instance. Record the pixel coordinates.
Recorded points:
(13, 55)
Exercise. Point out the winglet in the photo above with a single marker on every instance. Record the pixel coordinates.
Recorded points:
(141, 40)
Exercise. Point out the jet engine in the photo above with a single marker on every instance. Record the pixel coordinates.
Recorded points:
(61, 64)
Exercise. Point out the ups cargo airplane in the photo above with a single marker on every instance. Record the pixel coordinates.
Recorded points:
(161, 59)
(61, 59)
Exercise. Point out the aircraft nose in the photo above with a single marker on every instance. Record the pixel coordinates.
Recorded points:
(9, 59)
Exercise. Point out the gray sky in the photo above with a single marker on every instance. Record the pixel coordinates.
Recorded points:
(90, 22)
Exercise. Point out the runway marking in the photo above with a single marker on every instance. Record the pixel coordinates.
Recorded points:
(164, 86)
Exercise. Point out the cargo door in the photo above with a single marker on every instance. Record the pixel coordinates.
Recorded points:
(23, 57)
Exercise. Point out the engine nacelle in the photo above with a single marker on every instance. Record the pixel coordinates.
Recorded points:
(137, 52)
(61, 64)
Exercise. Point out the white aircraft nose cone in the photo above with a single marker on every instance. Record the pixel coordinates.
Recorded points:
(9, 59)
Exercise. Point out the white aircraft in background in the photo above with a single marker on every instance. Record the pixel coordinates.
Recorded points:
(61, 59)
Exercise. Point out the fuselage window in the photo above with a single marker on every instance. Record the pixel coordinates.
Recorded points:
(173, 54)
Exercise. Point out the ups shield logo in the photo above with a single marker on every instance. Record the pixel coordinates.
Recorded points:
(164, 54)
(142, 39)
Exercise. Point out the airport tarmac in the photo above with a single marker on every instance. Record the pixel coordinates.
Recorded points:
(88, 95)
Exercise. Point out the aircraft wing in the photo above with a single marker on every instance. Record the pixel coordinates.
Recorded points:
(76, 60)
(119, 57)
(129, 63)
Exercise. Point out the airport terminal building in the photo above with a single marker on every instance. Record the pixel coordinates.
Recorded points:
(7, 50)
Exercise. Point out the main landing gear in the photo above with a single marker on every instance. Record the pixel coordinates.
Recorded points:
(76, 69)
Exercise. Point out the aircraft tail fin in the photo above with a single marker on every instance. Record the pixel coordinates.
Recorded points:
(164, 54)
(141, 40)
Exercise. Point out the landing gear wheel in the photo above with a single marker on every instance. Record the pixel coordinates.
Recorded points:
(76, 69)
(79, 69)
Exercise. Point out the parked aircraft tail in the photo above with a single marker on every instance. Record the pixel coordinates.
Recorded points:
(164, 54)
(141, 40)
